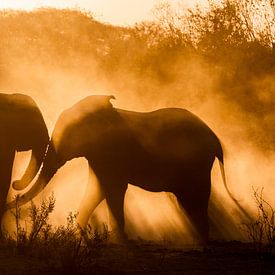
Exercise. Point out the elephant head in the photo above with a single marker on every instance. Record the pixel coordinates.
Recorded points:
(29, 132)
(22, 129)
(71, 124)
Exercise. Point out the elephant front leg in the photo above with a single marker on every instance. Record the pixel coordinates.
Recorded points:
(92, 198)
(115, 200)
(6, 164)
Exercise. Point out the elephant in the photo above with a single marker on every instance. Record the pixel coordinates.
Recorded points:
(22, 128)
(170, 150)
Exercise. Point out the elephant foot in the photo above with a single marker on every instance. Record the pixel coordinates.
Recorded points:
(201, 239)
(118, 237)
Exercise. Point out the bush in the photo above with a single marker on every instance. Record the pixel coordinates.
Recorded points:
(68, 249)
(261, 231)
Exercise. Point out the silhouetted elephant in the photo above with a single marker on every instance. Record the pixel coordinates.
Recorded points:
(22, 128)
(164, 150)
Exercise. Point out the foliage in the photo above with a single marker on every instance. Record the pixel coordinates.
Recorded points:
(39, 217)
(21, 234)
(67, 248)
(261, 231)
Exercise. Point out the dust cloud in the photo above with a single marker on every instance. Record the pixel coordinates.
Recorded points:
(61, 56)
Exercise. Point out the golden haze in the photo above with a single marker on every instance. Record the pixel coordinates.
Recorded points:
(60, 56)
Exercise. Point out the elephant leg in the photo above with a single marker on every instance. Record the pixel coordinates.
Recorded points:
(194, 201)
(6, 164)
(115, 201)
(92, 198)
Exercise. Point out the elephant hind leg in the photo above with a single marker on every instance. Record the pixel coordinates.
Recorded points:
(195, 204)
(198, 217)
(6, 164)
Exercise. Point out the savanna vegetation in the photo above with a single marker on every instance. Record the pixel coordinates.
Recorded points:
(38, 247)
(224, 52)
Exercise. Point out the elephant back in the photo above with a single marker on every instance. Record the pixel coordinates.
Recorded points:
(171, 133)
(77, 124)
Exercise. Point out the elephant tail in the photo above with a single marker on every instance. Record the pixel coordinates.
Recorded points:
(219, 155)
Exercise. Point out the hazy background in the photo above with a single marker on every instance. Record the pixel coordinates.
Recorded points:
(217, 61)
(117, 12)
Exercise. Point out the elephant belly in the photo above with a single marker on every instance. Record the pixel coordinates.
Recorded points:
(158, 175)
(163, 170)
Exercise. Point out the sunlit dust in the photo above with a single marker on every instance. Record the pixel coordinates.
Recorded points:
(59, 57)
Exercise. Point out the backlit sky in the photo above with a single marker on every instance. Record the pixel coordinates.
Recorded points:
(118, 12)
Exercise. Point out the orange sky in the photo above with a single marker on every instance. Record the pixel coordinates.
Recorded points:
(118, 12)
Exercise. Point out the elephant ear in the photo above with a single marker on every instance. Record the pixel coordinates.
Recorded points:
(88, 105)
(108, 98)
(96, 102)
(111, 97)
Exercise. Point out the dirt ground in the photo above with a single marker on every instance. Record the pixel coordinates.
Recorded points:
(148, 258)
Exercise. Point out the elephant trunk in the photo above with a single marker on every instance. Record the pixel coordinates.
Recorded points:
(32, 169)
(38, 152)
(50, 166)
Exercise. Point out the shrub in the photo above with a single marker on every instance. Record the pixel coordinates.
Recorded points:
(261, 231)
(66, 248)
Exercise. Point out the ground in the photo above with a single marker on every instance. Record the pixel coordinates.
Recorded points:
(148, 258)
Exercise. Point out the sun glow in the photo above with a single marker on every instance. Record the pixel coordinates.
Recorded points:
(118, 12)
